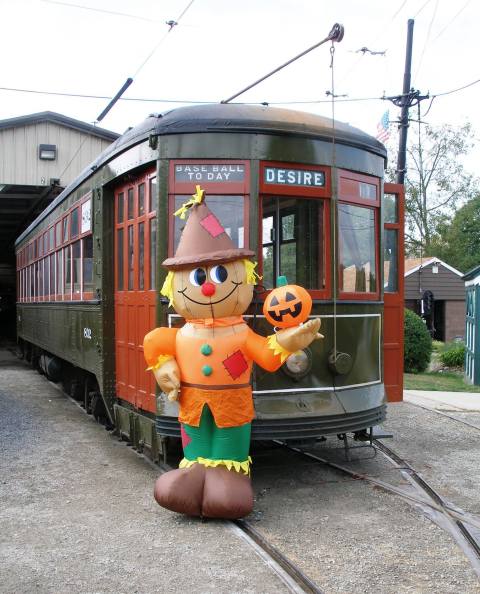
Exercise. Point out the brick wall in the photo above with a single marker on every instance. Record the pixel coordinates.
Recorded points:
(454, 319)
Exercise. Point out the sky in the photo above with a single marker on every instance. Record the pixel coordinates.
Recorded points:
(220, 46)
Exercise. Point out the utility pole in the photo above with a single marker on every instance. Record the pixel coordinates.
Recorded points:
(405, 104)
(407, 99)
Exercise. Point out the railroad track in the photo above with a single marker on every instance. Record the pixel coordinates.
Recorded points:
(463, 527)
(290, 574)
(459, 524)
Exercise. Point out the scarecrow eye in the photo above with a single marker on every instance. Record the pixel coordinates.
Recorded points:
(219, 274)
(198, 277)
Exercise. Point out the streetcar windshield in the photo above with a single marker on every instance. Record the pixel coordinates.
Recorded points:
(293, 241)
(228, 209)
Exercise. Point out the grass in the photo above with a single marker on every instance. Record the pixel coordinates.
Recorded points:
(446, 381)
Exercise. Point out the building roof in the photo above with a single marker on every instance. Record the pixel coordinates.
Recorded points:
(61, 120)
(472, 274)
(413, 265)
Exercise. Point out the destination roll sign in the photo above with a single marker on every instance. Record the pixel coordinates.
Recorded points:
(210, 172)
(294, 177)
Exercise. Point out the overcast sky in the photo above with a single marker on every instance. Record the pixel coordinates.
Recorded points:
(220, 46)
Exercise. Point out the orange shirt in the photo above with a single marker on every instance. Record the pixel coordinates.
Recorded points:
(215, 369)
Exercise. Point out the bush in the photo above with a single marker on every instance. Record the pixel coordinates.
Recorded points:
(417, 343)
(453, 354)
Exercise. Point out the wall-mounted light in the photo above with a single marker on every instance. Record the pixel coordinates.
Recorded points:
(435, 267)
(47, 152)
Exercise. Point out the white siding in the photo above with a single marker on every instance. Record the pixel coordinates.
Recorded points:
(19, 162)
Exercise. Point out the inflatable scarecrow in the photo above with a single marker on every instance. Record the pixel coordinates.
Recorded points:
(206, 366)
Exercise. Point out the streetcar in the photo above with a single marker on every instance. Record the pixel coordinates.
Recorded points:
(305, 193)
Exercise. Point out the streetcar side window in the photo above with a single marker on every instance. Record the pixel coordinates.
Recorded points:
(358, 236)
(356, 226)
(87, 263)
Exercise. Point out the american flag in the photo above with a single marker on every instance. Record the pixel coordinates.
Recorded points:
(383, 133)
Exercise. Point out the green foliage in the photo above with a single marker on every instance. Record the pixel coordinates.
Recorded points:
(417, 343)
(436, 183)
(453, 354)
(457, 243)
(437, 346)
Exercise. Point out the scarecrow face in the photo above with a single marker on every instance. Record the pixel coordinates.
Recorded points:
(287, 306)
(213, 291)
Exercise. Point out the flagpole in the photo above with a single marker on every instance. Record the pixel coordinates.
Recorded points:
(402, 146)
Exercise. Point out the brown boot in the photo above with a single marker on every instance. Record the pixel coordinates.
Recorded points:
(181, 490)
(226, 494)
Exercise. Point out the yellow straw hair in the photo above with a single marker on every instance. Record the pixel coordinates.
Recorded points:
(167, 288)
(252, 275)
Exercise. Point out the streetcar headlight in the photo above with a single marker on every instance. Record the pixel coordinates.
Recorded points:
(298, 364)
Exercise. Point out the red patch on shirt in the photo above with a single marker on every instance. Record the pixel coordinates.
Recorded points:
(212, 225)
(235, 364)
(186, 439)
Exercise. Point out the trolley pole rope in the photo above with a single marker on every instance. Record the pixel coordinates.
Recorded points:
(336, 34)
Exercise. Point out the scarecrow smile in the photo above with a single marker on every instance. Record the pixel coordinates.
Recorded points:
(236, 285)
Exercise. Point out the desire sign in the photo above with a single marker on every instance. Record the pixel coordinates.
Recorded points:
(294, 177)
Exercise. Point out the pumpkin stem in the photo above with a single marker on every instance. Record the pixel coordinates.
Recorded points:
(282, 281)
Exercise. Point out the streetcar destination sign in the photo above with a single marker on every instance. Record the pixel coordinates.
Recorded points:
(294, 177)
(210, 172)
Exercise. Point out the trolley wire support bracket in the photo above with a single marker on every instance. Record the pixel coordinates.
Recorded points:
(335, 35)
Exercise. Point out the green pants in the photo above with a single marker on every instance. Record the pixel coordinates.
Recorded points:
(212, 443)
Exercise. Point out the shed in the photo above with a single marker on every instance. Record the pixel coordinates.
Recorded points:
(472, 326)
(436, 291)
(40, 154)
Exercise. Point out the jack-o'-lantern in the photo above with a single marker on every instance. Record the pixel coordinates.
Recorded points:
(287, 305)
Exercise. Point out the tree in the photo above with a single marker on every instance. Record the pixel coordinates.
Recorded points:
(435, 182)
(458, 243)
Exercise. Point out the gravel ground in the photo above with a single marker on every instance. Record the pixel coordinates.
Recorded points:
(77, 513)
(350, 537)
(446, 453)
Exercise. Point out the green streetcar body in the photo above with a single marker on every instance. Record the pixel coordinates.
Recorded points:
(323, 401)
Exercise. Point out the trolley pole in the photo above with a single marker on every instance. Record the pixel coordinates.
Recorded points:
(405, 104)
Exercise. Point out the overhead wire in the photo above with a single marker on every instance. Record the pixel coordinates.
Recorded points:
(429, 31)
(452, 20)
(113, 12)
(198, 101)
(176, 21)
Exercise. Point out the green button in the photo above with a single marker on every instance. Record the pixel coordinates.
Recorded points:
(206, 349)
(207, 370)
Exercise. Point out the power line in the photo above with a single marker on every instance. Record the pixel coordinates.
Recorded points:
(203, 102)
(452, 20)
(113, 12)
(427, 39)
(129, 80)
(172, 25)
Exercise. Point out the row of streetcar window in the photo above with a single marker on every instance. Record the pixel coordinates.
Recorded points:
(136, 235)
(58, 263)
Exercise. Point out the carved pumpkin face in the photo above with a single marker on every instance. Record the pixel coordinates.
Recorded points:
(287, 306)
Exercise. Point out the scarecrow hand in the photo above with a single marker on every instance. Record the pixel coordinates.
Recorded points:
(299, 337)
(168, 378)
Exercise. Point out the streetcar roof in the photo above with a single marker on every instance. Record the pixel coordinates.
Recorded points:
(224, 117)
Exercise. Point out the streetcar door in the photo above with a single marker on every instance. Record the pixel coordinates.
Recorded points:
(135, 241)
(393, 209)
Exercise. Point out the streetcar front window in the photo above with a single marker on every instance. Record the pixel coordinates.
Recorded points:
(293, 241)
(228, 209)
